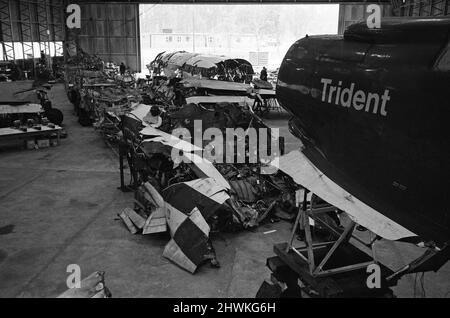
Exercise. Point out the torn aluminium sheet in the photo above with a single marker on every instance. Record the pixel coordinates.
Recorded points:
(202, 167)
(205, 194)
(303, 172)
(182, 208)
(189, 204)
(150, 214)
(139, 111)
(189, 246)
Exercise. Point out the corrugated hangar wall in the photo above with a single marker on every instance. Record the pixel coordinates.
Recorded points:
(111, 31)
(354, 12)
(421, 8)
(28, 27)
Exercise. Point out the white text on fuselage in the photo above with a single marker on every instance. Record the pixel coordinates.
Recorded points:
(359, 100)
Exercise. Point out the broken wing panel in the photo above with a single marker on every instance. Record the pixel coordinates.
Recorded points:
(189, 243)
(168, 139)
(205, 194)
(298, 166)
(202, 167)
(210, 188)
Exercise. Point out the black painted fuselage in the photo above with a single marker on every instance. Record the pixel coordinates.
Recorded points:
(372, 108)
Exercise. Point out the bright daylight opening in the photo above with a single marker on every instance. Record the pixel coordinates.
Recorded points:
(260, 34)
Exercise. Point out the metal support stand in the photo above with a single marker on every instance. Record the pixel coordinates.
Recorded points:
(122, 153)
(302, 222)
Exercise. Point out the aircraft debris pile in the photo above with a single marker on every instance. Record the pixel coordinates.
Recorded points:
(209, 196)
(99, 94)
(184, 64)
(190, 245)
(194, 196)
(179, 78)
(164, 92)
(107, 105)
(85, 61)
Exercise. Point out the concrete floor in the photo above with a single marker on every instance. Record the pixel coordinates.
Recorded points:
(58, 206)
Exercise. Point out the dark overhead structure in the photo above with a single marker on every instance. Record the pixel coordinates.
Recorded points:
(111, 29)
(421, 8)
(35, 25)
(242, 1)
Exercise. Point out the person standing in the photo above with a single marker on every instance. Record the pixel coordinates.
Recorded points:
(263, 75)
(43, 59)
(122, 68)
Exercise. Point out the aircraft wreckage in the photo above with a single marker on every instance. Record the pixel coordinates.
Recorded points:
(208, 195)
(369, 108)
(361, 158)
(184, 64)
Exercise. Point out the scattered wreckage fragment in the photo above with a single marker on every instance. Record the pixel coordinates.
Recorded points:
(190, 245)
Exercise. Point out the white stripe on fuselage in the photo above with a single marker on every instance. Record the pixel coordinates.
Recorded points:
(306, 174)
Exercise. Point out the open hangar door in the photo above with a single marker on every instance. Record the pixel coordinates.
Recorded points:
(111, 31)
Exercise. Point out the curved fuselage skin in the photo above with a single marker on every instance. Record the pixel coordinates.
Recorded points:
(374, 116)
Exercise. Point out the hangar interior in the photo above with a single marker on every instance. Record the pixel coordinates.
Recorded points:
(89, 177)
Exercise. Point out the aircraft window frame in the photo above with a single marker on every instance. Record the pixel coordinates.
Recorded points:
(443, 61)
